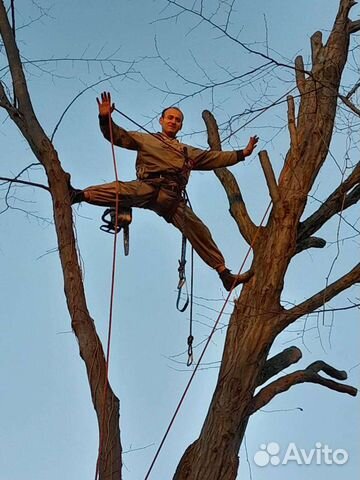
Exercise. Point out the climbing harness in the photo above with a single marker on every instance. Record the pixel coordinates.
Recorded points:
(114, 223)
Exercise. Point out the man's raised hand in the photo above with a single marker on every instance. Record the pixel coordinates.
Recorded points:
(250, 146)
(105, 105)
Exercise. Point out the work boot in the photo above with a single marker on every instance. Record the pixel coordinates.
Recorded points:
(76, 195)
(230, 280)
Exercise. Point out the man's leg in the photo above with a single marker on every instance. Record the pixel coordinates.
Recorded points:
(130, 194)
(200, 238)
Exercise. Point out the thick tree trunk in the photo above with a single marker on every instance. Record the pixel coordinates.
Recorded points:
(251, 332)
(255, 321)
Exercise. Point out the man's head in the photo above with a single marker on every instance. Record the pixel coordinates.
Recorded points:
(171, 121)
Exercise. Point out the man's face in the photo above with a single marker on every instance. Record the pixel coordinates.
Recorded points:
(171, 122)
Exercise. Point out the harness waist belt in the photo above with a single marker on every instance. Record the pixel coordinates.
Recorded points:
(166, 176)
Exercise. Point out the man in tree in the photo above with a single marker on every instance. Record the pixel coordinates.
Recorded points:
(163, 167)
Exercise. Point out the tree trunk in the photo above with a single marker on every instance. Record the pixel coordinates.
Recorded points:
(255, 321)
(106, 405)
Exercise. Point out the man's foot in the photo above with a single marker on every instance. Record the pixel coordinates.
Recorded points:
(230, 280)
(76, 195)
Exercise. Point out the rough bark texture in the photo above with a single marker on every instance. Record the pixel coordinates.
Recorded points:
(258, 316)
(89, 344)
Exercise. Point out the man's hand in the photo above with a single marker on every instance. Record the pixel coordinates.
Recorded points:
(105, 105)
(250, 146)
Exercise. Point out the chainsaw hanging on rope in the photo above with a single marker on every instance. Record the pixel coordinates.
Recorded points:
(114, 223)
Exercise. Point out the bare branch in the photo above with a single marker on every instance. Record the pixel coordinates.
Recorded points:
(89, 87)
(237, 205)
(269, 175)
(16, 70)
(33, 184)
(5, 102)
(349, 104)
(279, 362)
(226, 33)
(314, 302)
(337, 202)
(353, 90)
(309, 375)
(91, 351)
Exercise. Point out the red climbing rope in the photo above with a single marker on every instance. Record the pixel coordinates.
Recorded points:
(111, 307)
(204, 349)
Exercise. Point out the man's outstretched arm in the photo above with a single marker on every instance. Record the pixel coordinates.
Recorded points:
(121, 137)
(212, 159)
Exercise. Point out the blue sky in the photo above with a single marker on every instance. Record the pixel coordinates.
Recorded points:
(48, 426)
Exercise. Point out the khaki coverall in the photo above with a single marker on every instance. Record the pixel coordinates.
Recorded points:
(162, 168)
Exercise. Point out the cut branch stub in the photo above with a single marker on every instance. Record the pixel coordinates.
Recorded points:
(279, 362)
(270, 176)
(300, 74)
(354, 26)
(316, 48)
(292, 127)
(310, 242)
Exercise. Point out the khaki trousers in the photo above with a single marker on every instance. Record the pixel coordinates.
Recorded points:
(159, 197)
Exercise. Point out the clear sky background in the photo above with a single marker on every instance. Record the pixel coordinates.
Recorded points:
(48, 428)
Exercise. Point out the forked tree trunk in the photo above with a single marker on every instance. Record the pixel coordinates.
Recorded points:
(258, 316)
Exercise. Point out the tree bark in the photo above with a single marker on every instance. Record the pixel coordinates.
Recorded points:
(106, 406)
(255, 321)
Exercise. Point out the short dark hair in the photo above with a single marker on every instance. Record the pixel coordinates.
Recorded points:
(174, 108)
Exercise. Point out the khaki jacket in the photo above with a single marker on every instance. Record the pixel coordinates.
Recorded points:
(158, 153)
